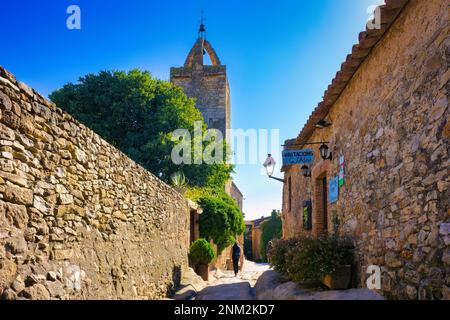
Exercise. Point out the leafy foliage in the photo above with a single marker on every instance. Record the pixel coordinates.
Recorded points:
(179, 182)
(138, 113)
(271, 229)
(279, 254)
(178, 179)
(221, 220)
(201, 251)
(306, 258)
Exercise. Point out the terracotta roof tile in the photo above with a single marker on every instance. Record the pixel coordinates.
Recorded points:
(367, 41)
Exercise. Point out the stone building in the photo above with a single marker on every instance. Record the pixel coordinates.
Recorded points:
(385, 118)
(256, 237)
(208, 84)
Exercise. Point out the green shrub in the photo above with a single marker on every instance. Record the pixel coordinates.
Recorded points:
(201, 252)
(221, 219)
(279, 254)
(306, 259)
(315, 258)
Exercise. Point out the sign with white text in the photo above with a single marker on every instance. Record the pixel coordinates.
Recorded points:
(305, 156)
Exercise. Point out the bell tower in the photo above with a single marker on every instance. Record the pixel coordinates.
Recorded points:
(207, 83)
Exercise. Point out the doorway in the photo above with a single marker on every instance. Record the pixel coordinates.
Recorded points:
(320, 210)
(325, 205)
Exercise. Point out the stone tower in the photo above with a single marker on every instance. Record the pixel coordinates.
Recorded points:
(207, 83)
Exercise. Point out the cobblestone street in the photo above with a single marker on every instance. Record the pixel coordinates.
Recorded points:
(225, 286)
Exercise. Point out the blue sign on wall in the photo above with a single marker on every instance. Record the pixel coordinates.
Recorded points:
(333, 190)
(305, 156)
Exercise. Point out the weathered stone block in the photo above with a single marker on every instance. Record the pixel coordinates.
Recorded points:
(36, 292)
(62, 254)
(55, 289)
(16, 214)
(42, 205)
(65, 198)
(18, 195)
(72, 209)
(25, 88)
(119, 215)
(8, 271)
(5, 102)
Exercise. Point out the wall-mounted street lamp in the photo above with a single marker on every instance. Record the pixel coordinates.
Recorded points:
(269, 164)
(324, 152)
(306, 171)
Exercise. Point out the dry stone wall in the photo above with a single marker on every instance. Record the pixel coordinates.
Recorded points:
(78, 219)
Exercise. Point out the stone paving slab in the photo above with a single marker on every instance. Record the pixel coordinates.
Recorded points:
(270, 287)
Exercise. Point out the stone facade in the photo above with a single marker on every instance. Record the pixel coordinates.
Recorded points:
(391, 124)
(237, 195)
(208, 84)
(256, 238)
(78, 219)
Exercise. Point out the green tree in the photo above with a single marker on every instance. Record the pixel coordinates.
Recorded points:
(138, 113)
(271, 229)
(221, 220)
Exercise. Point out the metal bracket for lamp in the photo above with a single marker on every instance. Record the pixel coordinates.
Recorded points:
(304, 144)
(278, 179)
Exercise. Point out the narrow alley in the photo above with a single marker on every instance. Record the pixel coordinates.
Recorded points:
(225, 286)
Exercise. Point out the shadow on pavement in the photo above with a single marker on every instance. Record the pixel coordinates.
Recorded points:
(227, 291)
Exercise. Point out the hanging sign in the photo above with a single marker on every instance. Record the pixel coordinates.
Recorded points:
(333, 190)
(305, 156)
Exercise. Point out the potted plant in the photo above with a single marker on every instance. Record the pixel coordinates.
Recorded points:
(310, 260)
(201, 253)
(336, 258)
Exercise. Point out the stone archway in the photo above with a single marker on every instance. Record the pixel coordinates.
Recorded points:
(195, 56)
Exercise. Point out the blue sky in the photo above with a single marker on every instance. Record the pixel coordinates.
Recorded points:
(280, 55)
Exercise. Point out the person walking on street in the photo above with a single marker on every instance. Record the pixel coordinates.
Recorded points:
(269, 250)
(236, 257)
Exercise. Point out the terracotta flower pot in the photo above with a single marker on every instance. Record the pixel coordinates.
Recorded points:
(340, 280)
(202, 269)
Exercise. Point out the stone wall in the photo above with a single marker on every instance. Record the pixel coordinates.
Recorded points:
(236, 194)
(391, 124)
(78, 219)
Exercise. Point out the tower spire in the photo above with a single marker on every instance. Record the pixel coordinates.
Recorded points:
(202, 29)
